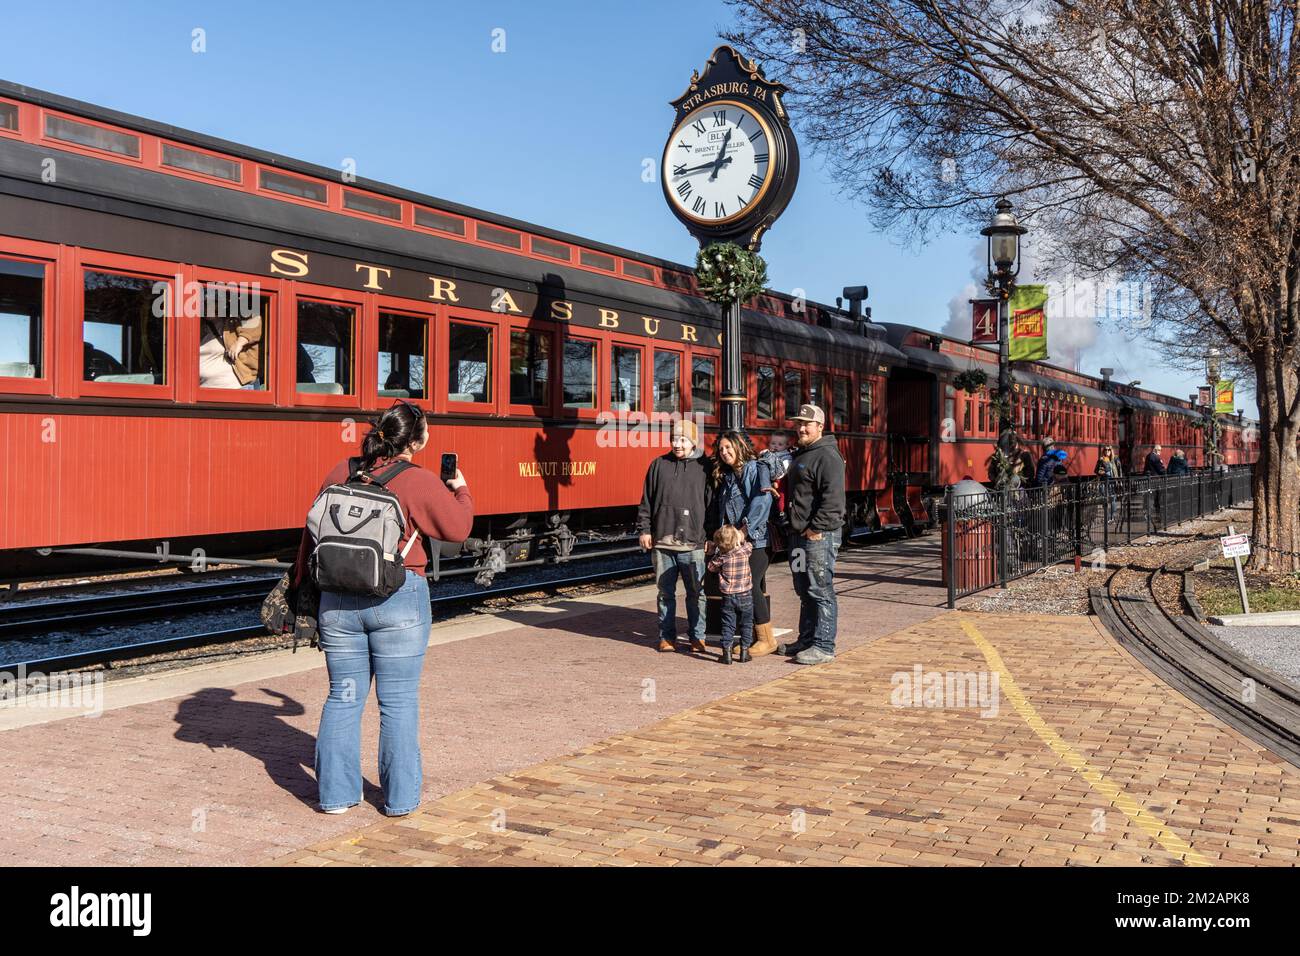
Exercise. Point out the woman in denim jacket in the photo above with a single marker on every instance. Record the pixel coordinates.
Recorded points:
(741, 483)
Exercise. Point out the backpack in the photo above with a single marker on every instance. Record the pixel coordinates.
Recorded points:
(356, 525)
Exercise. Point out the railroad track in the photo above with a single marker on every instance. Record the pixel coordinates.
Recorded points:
(123, 652)
(1181, 652)
(21, 620)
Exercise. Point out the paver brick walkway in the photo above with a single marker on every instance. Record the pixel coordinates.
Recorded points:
(1087, 760)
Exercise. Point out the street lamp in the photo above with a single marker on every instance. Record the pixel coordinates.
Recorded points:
(1003, 235)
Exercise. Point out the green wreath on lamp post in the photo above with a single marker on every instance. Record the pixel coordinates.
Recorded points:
(726, 272)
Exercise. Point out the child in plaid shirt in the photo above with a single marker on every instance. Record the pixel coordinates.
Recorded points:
(730, 561)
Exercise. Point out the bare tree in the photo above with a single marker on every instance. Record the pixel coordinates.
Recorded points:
(1152, 139)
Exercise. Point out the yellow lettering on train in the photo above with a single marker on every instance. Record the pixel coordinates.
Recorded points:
(688, 333)
(372, 280)
(444, 290)
(504, 302)
(646, 320)
(294, 263)
(562, 310)
(608, 319)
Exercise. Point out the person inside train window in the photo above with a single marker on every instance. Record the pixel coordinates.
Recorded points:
(22, 299)
(125, 325)
(230, 338)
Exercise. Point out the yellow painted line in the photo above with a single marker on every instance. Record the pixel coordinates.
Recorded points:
(1154, 827)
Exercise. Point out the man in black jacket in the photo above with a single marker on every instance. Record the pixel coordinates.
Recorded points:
(815, 509)
(670, 522)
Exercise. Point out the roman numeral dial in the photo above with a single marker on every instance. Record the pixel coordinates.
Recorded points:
(717, 164)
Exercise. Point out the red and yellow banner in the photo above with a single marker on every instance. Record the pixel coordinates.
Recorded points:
(1028, 335)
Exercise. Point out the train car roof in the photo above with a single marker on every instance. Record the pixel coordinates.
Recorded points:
(324, 230)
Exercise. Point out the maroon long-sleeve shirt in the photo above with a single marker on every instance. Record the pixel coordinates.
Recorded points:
(429, 505)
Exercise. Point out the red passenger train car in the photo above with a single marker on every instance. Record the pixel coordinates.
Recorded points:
(135, 258)
(149, 252)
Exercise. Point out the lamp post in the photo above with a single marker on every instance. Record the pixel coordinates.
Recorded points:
(1211, 424)
(1003, 235)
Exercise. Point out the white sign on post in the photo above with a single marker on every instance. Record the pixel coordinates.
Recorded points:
(1235, 545)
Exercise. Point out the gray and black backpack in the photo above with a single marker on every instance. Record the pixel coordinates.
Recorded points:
(356, 526)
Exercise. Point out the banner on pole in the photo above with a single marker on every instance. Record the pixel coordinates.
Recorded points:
(983, 320)
(1224, 400)
(1204, 395)
(1028, 335)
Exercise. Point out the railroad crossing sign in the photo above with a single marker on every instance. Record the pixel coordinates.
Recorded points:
(1235, 545)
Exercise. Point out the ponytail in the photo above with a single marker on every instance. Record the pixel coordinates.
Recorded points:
(392, 433)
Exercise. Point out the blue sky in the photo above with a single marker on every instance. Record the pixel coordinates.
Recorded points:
(553, 130)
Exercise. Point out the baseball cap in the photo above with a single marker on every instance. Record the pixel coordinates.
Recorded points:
(809, 413)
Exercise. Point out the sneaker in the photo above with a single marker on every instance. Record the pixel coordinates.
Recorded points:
(793, 648)
(336, 810)
(813, 655)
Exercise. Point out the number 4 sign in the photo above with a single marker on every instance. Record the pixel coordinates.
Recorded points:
(984, 320)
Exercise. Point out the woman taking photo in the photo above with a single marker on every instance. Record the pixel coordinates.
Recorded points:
(384, 637)
(741, 483)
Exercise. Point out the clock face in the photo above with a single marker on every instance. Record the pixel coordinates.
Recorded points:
(717, 163)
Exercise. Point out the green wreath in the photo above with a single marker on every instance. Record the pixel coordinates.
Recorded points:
(726, 272)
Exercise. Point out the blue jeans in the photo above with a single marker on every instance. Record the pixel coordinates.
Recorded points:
(812, 565)
(386, 637)
(689, 566)
(738, 619)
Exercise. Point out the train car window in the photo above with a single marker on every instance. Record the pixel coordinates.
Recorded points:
(982, 407)
(596, 260)
(498, 237)
(625, 379)
(841, 415)
(205, 164)
(125, 330)
(667, 384)
(326, 333)
(372, 205)
(765, 407)
(552, 250)
(949, 411)
(292, 186)
(579, 373)
(638, 271)
(8, 116)
(22, 304)
(96, 137)
(233, 332)
(530, 368)
(403, 355)
(703, 378)
(469, 363)
(966, 415)
(793, 392)
(865, 386)
(436, 220)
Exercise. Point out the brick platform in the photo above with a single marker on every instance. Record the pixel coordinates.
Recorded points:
(1088, 760)
(213, 765)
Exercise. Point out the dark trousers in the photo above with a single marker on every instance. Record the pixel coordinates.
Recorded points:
(758, 561)
(738, 618)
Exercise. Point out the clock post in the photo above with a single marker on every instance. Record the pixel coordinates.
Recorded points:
(729, 170)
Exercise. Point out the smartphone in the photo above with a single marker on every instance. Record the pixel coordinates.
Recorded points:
(448, 466)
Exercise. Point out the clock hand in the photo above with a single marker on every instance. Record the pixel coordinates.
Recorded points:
(717, 163)
(695, 169)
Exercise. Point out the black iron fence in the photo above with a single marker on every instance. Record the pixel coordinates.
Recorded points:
(992, 537)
